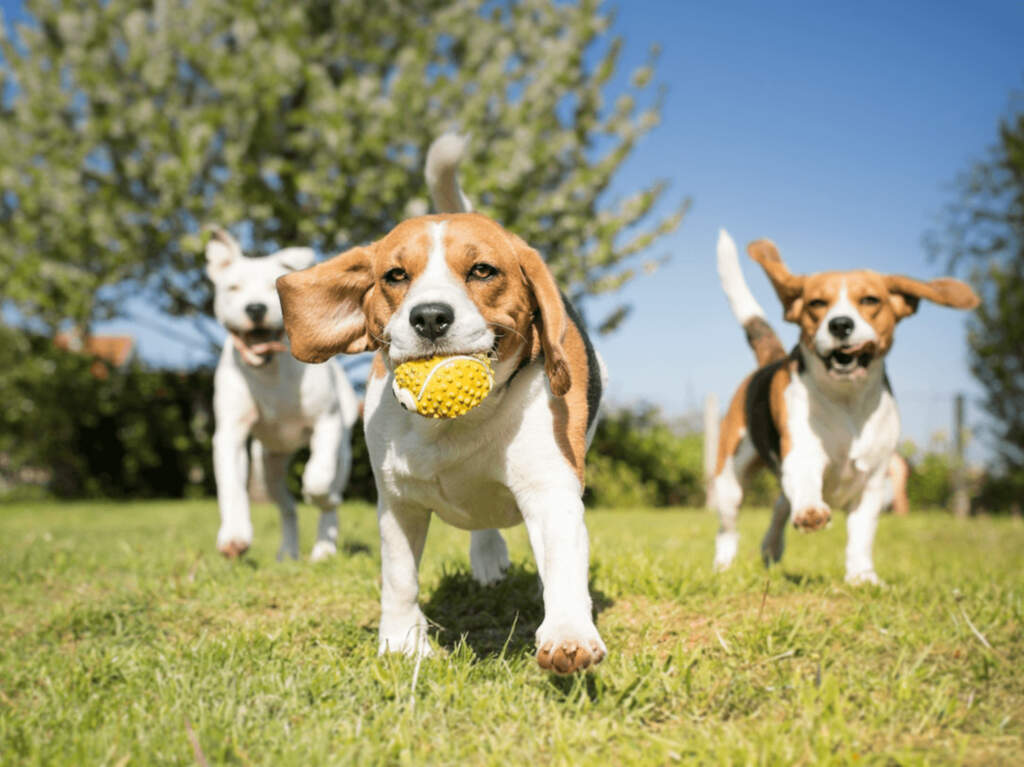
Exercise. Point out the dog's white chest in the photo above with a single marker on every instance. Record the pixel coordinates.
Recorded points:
(855, 439)
(458, 470)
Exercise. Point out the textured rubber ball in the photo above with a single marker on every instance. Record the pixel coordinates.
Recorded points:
(444, 387)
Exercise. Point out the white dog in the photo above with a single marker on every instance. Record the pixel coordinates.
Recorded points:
(281, 403)
(461, 284)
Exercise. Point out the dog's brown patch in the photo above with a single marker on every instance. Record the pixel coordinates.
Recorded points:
(762, 339)
(777, 402)
(730, 433)
(571, 411)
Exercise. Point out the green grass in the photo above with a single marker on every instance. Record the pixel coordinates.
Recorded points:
(122, 632)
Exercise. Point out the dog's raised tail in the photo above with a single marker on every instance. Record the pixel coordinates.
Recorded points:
(441, 170)
(762, 339)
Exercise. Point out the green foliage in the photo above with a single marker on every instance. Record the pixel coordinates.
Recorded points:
(637, 459)
(128, 125)
(121, 434)
(985, 233)
(122, 631)
(930, 482)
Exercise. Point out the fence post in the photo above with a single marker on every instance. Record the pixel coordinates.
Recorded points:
(961, 501)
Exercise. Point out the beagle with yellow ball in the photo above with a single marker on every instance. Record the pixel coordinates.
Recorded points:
(458, 285)
(822, 417)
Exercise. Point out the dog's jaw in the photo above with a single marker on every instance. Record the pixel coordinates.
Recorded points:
(258, 346)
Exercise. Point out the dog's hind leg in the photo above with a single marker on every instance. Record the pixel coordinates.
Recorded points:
(727, 494)
(324, 480)
(775, 537)
(275, 475)
(488, 556)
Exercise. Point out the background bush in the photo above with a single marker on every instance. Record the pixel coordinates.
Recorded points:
(79, 428)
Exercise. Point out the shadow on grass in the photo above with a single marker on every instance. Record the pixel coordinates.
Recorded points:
(492, 618)
(355, 547)
(805, 579)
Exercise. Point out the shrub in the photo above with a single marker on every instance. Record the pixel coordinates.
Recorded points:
(125, 433)
(637, 458)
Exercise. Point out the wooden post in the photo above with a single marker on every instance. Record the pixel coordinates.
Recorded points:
(961, 501)
(710, 437)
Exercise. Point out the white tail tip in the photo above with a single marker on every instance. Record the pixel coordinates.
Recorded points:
(441, 171)
(741, 300)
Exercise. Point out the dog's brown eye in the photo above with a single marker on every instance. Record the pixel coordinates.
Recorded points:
(395, 276)
(870, 301)
(482, 271)
(817, 303)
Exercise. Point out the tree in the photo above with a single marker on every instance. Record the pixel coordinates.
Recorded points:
(126, 126)
(985, 235)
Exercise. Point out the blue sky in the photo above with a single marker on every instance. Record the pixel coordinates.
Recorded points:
(834, 128)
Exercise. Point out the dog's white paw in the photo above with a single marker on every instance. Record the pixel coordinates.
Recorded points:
(565, 647)
(408, 636)
(812, 518)
(234, 540)
(488, 557)
(864, 578)
(725, 550)
(323, 550)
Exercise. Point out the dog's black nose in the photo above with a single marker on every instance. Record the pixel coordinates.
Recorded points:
(840, 327)
(431, 320)
(256, 312)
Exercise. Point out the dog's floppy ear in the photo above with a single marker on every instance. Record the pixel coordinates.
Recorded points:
(222, 250)
(295, 258)
(551, 319)
(324, 306)
(905, 293)
(789, 287)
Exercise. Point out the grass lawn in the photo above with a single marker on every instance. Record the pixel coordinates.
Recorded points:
(125, 639)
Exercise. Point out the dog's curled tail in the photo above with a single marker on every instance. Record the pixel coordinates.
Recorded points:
(441, 171)
(762, 339)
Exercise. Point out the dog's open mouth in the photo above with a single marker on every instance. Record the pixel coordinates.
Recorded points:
(260, 336)
(258, 346)
(850, 361)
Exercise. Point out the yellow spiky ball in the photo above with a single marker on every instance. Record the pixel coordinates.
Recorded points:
(444, 387)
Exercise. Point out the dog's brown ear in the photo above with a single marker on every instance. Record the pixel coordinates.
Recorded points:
(905, 293)
(324, 306)
(551, 320)
(789, 287)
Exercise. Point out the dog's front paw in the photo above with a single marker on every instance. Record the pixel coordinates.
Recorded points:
(323, 550)
(812, 518)
(234, 542)
(565, 648)
(408, 637)
(864, 578)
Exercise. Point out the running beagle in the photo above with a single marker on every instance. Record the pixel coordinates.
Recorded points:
(822, 417)
(459, 283)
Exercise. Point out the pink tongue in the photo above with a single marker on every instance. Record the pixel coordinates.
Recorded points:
(267, 346)
(251, 354)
